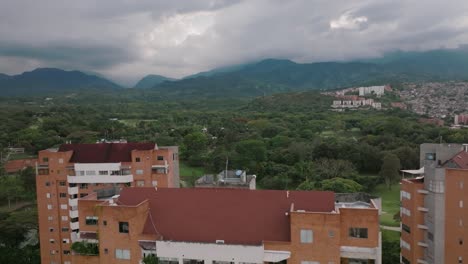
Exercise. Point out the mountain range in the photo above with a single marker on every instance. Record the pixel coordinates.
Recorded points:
(260, 78)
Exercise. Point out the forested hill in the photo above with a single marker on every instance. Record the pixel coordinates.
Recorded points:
(272, 75)
(51, 80)
(151, 80)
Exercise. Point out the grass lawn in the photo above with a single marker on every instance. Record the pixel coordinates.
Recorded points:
(189, 174)
(390, 203)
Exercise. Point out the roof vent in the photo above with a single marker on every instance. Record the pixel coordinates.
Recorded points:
(219, 241)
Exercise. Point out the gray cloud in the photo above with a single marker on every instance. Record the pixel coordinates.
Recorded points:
(128, 39)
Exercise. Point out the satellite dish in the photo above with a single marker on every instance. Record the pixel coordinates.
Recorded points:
(238, 172)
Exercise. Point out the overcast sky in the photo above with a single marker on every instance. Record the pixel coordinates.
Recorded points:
(127, 39)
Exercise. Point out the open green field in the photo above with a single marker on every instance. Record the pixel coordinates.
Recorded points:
(389, 235)
(189, 174)
(390, 203)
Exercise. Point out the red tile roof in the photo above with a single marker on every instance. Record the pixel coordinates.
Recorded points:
(13, 166)
(461, 159)
(104, 152)
(236, 216)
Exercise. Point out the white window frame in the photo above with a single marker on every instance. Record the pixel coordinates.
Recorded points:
(307, 236)
(122, 253)
(139, 172)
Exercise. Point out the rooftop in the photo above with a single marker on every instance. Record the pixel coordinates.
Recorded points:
(104, 152)
(237, 216)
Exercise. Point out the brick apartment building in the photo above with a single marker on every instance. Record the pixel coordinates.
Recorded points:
(434, 220)
(77, 170)
(208, 225)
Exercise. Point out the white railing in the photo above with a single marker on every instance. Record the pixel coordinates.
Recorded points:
(73, 213)
(101, 179)
(73, 190)
(74, 226)
(73, 202)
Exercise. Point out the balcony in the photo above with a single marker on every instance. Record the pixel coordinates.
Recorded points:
(422, 191)
(423, 209)
(75, 225)
(422, 227)
(73, 190)
(422, 244)
(421, 261)
(73, 202)
(73, 213)
(101, 179)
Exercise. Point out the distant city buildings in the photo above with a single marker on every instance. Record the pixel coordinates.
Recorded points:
(372, 90)
(361, 102)
(434, 217)
(461, 120)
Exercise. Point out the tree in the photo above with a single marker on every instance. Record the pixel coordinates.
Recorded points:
(341, 185)
(11, 188)
(150, 259)
(390, 170)
(332, 168)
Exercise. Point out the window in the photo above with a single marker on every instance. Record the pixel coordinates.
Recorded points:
(80, 173)
(430, 156)
(103, 173)
(49, 206)
(358, 261)
(60, 161)
(405, 244)
(51, 229)
(52, 241)
(83, 195)
(67, 262)
(104, 222)
(90, 172)
(45, 159)
(137, 159)
(63, 195)
(66, 252)
(460, 241)
(307, 236)
(52, 252)
(63, 207)
(461, 185)
(358, 232)
(64, 218)
(139, 172)
(63, 183)
(65, 241)
(65, 229)
(106, 251)
(48, 195)
(123, 227)
(50, 218)
(47, 183)
(460, 260)
(160, 157)
(310, 262)
(460, 204)
(140, 183)
(161, 170)
(460, 222)
(331, 233)
(83, 186)
(405, 260)
(406, 228)
(154, 183)
(406, 195)
(91, 220)
(122, 254)
(405, 211)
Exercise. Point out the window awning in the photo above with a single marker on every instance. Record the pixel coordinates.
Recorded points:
(415, 172)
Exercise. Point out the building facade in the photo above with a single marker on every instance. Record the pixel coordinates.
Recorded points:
(208, 225)
(77, 170)
(433, 216)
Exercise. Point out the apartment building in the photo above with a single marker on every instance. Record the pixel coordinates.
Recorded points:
(433, 213)
(77, 170)
(222, 225)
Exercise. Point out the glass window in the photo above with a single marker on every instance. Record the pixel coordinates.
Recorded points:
(123, 227)
(160, 157)
(45, 159)
(63, 183)
(307, 236)
(140, 183)
(122, 254)
(90, 172)
(358, 232)
(91, 220)
(406, 228)
(63, 195)
(139, 172)
(48, 195)
(430, 156)
(103, 172)
(64, 218)
(137, 159)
